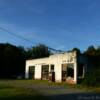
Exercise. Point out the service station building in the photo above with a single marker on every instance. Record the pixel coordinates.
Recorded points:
(68, 67)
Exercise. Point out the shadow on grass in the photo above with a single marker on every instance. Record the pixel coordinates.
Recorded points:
(23, 97)
(76, 96)
(17, 93)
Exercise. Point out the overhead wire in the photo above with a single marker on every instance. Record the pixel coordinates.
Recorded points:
(25, 39)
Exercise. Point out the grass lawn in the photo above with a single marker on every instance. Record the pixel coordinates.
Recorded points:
(17, 90)
(8, 92)
(65, 85)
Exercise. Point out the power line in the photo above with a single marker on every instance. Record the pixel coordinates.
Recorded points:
(15, 35)
(18, 36)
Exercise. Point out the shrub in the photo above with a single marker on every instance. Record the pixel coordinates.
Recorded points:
(92, 79)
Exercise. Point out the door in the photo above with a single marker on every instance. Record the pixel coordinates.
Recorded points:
(45, 71)
(31, 72)
(52, 74)
(64, 72)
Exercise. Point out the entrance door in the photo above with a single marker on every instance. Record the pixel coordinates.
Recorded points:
(52, 74)
(64, 72)
(31, 72)
(67, 71)
(45, 71)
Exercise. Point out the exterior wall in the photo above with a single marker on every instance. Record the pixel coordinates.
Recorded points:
(57, 60)
(27, 71)
(38, 72)
(58, 73)
(75, 71)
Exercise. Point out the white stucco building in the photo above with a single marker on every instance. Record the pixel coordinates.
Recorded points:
(68, 67)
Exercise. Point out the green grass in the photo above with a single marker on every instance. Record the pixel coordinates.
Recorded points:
(16, 90)
(63, 84)
(15, 93)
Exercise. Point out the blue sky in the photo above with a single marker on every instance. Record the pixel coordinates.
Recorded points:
(60, 24)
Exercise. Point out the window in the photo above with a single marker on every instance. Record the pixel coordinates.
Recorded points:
(70, 70)
(52, 68)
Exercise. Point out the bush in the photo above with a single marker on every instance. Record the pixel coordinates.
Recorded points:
(92, 79)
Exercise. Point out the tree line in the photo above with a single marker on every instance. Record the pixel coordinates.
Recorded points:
(12, 60)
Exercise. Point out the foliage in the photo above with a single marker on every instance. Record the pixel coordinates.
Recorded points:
(12, 58)
(38, 51)
(77, 50)
(92, 79)
(11, 61)
(94, 55)
(92, 51)
(15, 93)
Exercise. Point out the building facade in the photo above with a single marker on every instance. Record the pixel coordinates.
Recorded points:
(68, 67)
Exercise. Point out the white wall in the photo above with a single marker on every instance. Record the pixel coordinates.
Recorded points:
(75, 72)
(57, 60)
(38, 71)
(58, 72)
(75, 68)
(26, 72)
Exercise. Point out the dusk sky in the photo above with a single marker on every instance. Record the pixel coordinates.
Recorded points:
(60, 24)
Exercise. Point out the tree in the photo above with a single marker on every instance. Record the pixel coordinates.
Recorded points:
(91, 51)
(12, 58)
(38, 51)
(77, 50)
(94, 58)
(12, 61)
